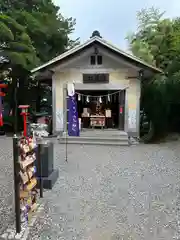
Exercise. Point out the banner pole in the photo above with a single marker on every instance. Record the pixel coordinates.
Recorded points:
(66, 145)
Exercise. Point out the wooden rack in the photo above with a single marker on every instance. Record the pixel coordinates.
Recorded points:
(28, 181)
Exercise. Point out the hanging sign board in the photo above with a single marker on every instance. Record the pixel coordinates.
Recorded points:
(59, 119)
(132, 119)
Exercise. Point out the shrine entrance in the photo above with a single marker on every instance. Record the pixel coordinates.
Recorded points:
(101, 109)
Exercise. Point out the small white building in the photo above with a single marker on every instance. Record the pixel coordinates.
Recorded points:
(99, 70)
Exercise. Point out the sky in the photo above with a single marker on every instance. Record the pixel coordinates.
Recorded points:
(114, 19)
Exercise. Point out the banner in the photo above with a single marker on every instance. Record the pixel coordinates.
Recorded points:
(73, 121)
(73, 126)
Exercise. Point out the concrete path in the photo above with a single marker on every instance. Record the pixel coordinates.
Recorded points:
(114, 193)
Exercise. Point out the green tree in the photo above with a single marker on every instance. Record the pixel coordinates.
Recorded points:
(33, 5)
(32, 32)
(157, 41)
(45, 25)
(15, 45)
(153, 38)
(17, 55)
(50, 35)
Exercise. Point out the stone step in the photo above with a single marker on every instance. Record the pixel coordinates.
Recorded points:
(103, 133)
(96, 138)
(100, 143)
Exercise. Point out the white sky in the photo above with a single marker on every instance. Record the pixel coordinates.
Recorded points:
(113, 18)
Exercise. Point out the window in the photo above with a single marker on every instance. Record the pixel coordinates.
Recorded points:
(96, 78)
(99, 60)
(93, 60)
(96, 60)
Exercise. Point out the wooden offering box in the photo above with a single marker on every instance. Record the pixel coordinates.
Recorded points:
(97, 121)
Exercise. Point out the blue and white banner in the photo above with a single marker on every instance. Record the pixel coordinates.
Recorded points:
(73, 121)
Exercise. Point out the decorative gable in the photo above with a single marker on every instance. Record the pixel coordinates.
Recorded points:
(96, 40)
(94, 58)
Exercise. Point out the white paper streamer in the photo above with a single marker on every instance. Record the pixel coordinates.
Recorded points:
(109, 98)
(70, 89)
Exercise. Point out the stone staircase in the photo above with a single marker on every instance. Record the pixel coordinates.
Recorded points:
(109, 137)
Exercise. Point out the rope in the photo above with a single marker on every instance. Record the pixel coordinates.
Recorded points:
(91, 96)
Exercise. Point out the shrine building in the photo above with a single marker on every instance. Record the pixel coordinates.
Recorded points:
(107, 84)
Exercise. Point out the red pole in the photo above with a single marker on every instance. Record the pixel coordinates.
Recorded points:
(25, 125)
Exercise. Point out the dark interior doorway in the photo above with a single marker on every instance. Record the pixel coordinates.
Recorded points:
(109, 100)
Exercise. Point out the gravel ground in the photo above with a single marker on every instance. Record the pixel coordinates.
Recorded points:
(6, 183)
(105, 193)
(114, 193)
